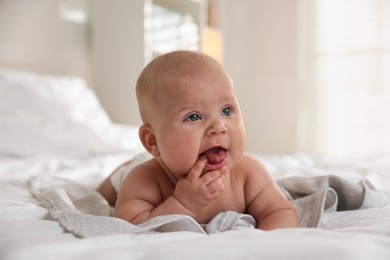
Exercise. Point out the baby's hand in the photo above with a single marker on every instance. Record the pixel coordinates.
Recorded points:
(197, 191)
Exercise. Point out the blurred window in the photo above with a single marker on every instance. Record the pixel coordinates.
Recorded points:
(352, 77)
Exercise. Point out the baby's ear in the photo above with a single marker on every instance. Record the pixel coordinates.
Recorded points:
(148, 140)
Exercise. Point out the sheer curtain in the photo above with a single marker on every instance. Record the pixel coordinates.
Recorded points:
(350, 77)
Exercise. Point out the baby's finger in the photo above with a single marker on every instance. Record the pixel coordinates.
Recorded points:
(212, 176)
(216, 187)
(197, 169)
(224, 171)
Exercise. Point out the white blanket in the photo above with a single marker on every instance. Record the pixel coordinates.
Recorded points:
(352, 220)
(328, 202)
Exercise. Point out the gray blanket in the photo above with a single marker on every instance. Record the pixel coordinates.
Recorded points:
(328, 202)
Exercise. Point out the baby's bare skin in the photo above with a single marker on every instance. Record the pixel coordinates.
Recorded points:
(204, 195)
(194, 129)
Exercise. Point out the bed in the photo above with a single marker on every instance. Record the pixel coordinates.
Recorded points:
(57, 144)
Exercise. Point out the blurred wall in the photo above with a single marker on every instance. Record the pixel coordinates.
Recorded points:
(260, 39)
(117, 36)
(260, 52)
(34, 37)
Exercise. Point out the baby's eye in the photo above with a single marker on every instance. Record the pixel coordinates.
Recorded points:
(193, 117)
(227, 111)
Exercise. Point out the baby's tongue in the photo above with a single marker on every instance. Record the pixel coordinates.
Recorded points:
(215, 155)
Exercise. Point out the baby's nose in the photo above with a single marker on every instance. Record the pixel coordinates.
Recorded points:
(217, 127)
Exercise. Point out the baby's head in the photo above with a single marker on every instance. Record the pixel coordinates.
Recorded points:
(163, 76)
(188, 106)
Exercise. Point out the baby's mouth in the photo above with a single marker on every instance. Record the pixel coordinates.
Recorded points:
(216, 158)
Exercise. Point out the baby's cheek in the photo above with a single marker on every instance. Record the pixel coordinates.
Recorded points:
(238, 151)
(179, 161)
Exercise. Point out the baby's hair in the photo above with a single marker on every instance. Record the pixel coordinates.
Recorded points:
(180, 66)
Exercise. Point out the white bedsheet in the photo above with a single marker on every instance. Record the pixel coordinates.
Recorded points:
(28, 231)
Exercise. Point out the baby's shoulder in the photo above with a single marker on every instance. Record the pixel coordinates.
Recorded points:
(254, 176)
(148, 170)
(248, 163)
(250, 167)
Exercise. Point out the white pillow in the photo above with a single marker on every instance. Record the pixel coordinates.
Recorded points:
(25, 93)
(56, 116)
(42, 137)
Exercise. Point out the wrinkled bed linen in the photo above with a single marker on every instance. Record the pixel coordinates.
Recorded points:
(28, 229)
(328, 202)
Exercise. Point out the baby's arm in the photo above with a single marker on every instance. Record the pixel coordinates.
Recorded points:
(267, 203)
(141, 199)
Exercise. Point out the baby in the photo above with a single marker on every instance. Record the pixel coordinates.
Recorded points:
(194, 130)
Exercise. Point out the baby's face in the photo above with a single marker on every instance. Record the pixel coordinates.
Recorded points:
(199, 117)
